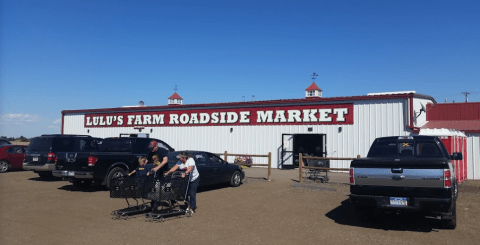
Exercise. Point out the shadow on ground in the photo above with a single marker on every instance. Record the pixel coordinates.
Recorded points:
(49, 179)
(345, 215)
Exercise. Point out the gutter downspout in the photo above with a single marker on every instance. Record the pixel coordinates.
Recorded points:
(63, 122)
(411, 114)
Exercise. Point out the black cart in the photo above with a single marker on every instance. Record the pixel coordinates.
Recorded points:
(129, 187)
(318, 174)
(170, 192)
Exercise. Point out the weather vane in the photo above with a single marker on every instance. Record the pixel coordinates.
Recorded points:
(175, 88)
(314, 76)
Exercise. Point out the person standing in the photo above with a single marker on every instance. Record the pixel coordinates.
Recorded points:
(157, 155)
(187, 163)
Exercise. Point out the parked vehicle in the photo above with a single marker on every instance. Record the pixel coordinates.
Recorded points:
(212, 169)
(402, 174)
(115, 157)
(4, 142)
(42, 152)
(11, 157)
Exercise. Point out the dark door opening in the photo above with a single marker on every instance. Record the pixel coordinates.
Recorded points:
(307, 144)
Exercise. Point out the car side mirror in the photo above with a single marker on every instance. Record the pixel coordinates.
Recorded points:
(457, 156)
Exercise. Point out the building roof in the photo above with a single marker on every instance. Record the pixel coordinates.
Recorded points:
(467, 126)
(285, 102)
(453, 111)
(458, 116)
(175, 96)
(313, 86)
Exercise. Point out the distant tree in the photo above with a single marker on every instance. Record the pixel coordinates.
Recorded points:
(22, 139)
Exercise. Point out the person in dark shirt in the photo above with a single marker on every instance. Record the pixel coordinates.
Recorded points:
(158, 156)
(143, 169)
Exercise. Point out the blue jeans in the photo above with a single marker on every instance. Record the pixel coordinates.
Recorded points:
(192, 193)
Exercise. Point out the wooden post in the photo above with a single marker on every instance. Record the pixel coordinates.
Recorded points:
(300, 161)
(269, 165)
(225, 156)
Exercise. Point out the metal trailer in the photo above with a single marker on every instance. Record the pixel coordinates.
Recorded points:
(170, 192)
(129, 187)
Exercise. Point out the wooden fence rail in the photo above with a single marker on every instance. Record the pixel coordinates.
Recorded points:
(301, 167)
(268, 165)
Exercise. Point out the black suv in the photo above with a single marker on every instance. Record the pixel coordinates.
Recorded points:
(41, 154)
(4, 142)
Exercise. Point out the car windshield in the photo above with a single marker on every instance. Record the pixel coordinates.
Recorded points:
(393, 148)
(40, 144)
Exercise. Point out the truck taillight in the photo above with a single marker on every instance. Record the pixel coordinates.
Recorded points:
(352, 179)
(447, 176)
(92, 160)
(52, 157)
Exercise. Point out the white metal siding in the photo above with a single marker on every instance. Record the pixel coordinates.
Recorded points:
(473, 156)
(372, 119)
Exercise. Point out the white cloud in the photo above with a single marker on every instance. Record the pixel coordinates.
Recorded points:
(21, 118)
(16, 125)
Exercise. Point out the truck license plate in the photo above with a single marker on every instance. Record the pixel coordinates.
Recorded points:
(398, 201)
(68, 173)
(35, 159)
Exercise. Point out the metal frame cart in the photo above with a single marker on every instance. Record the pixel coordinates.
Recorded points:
(169, 191)
(318, 174)
(128, 187)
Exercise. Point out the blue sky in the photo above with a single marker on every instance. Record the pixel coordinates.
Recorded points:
(82, 54)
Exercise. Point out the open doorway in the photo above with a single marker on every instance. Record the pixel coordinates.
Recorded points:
(307, 144)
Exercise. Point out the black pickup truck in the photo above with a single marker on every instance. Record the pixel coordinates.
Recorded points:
(405, 173)
(115, 157)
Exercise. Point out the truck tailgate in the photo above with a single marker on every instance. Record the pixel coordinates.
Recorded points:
(399, 177)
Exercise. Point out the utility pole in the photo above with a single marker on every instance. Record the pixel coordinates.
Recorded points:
(466, 95)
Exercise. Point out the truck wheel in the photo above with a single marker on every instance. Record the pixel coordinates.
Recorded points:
(451, 223)
(45, 175)
(364, 214)
(4, 166)
(236, 179)
(115, 173)
(82, 183)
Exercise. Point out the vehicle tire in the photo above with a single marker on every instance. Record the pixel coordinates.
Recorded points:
(236, 179)
(115, 173)
(82, 183)
(451, 223)
(4, 166)
(45, 175)
(364, 214)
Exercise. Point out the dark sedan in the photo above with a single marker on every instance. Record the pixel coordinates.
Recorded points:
(213, 169)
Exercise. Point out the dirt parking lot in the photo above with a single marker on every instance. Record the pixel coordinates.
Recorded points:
(281, 211)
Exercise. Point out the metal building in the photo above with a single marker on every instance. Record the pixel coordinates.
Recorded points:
(348, 124)
(464, 117)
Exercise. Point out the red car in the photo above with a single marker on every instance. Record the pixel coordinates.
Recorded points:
(11, 157)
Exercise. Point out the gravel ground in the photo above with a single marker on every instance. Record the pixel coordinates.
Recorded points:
(280, 211)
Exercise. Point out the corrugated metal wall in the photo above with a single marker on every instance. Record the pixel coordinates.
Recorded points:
(473, 156)
(372, 119)
(454, 111)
